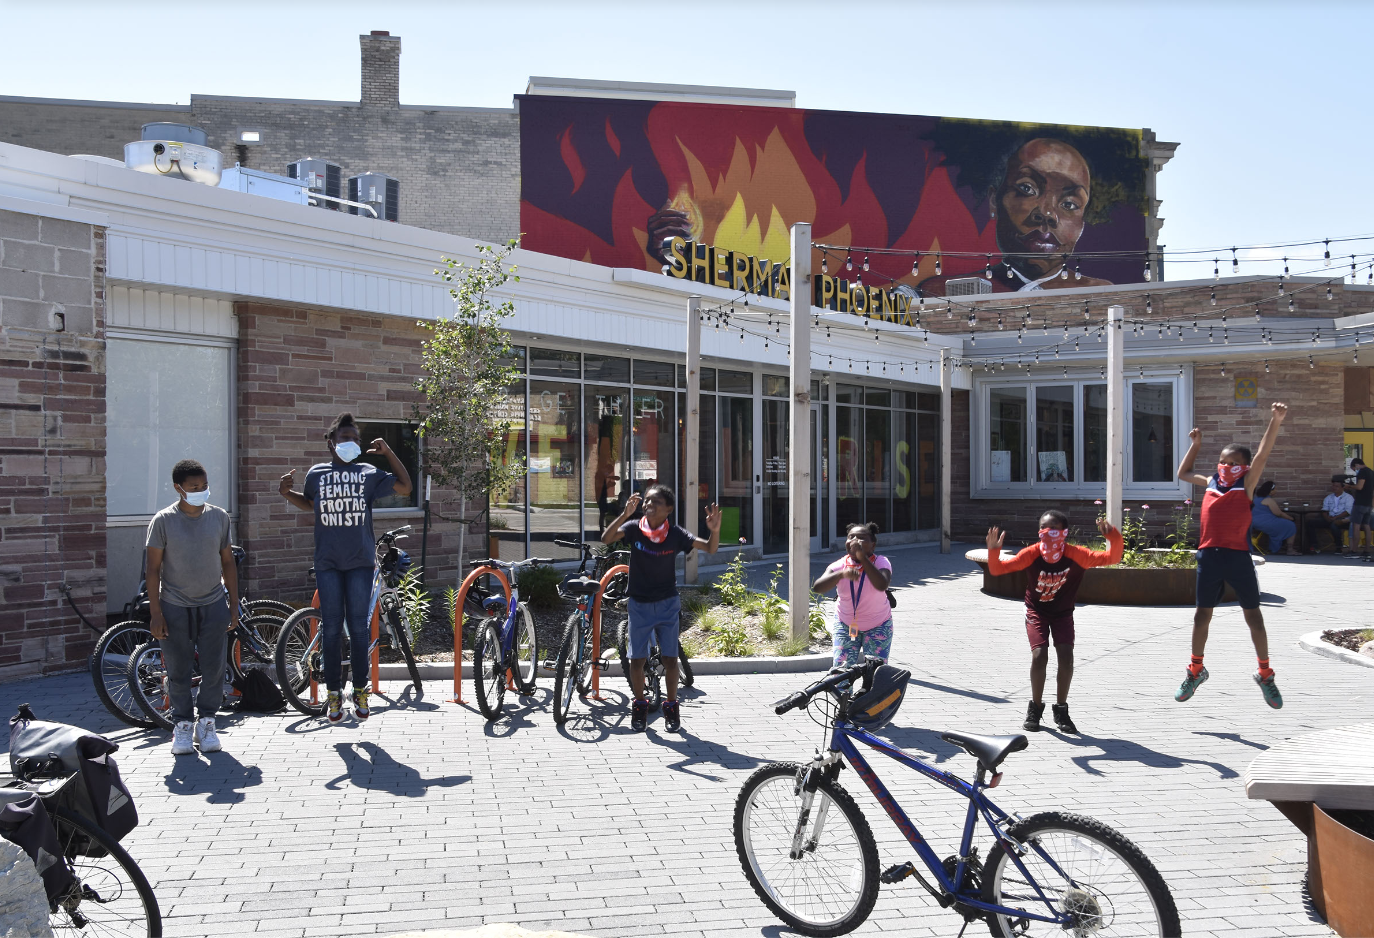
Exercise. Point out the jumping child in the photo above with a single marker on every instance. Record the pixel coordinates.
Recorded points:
(863, 617)
(1056, 571)
(1223, 554)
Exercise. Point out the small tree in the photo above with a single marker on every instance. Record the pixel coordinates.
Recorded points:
(468, 376)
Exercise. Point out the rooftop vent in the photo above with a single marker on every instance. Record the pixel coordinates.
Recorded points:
(377, 190)
(175, 150)
(967, 286)
(322, 178)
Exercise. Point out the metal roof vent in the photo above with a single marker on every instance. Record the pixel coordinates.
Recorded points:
(175, 150)
(322, 178)
(967, 286)
(378, 190)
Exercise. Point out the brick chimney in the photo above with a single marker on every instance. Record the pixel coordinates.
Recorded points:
(381, 69)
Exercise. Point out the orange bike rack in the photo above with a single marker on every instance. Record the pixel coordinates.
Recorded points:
(458, 624)
(596, 626)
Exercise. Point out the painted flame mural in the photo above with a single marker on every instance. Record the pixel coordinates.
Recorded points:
(605, 181)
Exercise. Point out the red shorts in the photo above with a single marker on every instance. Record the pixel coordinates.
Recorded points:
(1040, 629)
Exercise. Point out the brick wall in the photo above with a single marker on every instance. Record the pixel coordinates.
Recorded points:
(297, 369)
(52, 441)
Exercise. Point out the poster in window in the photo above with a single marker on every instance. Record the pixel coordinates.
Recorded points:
(1054, 466)
(1001, 465)
(1247, 391)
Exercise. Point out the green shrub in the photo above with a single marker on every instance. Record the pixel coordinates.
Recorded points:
(732, 585)
(695, 602)
(692, 646)
(414, 604)
(450, 600)
(730, 640)
(774, 625)
(816, 619)
(539, 586)
(793, 647)
(709, 619)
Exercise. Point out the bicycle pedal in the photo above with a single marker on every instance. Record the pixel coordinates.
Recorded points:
(898, 873)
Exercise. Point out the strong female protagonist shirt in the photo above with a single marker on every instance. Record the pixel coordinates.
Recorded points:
(343, 494)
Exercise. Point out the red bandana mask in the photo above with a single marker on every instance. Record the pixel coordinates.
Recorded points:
(1052, 542)
(658, 535)
(1230, 475)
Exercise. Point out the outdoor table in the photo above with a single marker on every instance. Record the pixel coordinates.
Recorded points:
(1306, 777)
(1300, 519)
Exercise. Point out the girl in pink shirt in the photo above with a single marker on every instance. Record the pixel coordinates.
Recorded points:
(863, 625)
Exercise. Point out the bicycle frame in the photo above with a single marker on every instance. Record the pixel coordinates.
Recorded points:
(842, 741)
(379, 589)
(458, 601)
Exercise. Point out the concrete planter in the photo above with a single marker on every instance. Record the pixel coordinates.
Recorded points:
(1110, 586)
(1340, 864)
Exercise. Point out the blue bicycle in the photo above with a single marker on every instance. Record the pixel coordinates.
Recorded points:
(812, 858)
(505, 654)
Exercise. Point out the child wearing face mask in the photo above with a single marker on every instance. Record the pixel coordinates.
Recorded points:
(1223, 554)
(1055, 572)
(190, 570)
(341, 493)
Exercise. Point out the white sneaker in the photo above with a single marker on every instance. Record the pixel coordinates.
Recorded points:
(181, 739)
(206, 736)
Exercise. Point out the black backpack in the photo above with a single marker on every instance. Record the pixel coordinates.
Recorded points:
(257, 693)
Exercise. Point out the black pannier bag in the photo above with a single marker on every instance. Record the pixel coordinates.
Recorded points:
(25, 823)
(257, 693)
(42, 750)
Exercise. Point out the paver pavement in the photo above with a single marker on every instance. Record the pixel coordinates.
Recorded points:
(427, 816)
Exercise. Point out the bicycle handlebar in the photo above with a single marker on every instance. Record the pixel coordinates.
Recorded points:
(392, 535)
(513, 564)
(803, 697)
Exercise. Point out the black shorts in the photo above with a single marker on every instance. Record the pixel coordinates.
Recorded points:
(1217, 566)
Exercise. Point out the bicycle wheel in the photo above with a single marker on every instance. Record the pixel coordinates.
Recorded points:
(109, 667)
(653, 680)
(112, 896)
(587, 663)
(570, 654)
(1094, 873)
(253, 646)
(487, 671)
(401, 636)
(269, 607)
(684, 669)
(622, 646)
(831, 887)
(525, 656)
(298, 660)
(147, 679)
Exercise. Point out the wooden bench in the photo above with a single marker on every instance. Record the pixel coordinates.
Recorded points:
(1307, 777)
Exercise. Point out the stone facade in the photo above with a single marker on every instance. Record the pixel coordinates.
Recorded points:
(52, 440)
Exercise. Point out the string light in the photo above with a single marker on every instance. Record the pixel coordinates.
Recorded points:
(937, 264)
(1214, 296)
(1149, 305)
(1077, 274)
(1149, 275)
(1329, 295)
(1258, 315)
(1223, 369)
(865, 262)
(848, 262)
(916, 264)
(1266, 368)
(987, 271)
(1216, 270)
(1290, 302)
(1327, 242)
(1285, 267)
(1235, 263)
(1310, 362)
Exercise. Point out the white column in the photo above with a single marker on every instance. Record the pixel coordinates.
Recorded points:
(799, 436)
(687, 498)
(946, 445)
(1116, 413)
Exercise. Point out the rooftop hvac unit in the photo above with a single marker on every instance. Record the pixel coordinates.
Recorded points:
(322, 178)
(256, 182)
(175, 150)
(377, 190)
(967, 286)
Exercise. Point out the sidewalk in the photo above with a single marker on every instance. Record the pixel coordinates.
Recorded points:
(426, 817)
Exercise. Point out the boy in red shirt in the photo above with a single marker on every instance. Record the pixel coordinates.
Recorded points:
(1056, 570)
(1223, 554)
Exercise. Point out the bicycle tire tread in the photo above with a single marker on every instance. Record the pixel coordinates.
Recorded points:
(90, 829)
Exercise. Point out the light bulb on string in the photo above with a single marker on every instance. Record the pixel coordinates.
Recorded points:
(1310, 362)
(1214, 296)
(1352, 268)
(1077, 274)
(1290, 302)
(1085, 309)
(1266, 368)
(848, 261)
(1225, 336)
(865, 262)
(949, 310)
(973, 339)
(1280, 286)
(916, 264)
(1258, 314)
(1235, 262)
(1223, 369)
(1064, 267)
(987, 269)
(1285, 267)
(1210, 337)
(1149, 275)
(825, 266)
(1149, 304)
(1008, 266)
(937, 265)
(1327, 242)
(1329, 295)
(1216, 269)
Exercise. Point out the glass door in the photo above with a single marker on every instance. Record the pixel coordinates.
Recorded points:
(775, 477)
(818, 460)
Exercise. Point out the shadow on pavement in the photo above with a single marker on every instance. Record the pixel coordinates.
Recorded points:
(371, 767)
(698, 751)
(409, 699)
(921, 739)
(960, 692)
(593, 721)
(218, 775)
(517, 716)
(1123, 750)
(1233, 737)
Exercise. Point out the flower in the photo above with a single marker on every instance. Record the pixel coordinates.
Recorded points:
(1143, 507)
(1098, 502)
(1187, 501)
(1126, 508)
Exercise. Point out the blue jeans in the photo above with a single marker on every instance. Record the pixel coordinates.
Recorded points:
(346, 594)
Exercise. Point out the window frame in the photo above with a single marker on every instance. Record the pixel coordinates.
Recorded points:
(980, 462)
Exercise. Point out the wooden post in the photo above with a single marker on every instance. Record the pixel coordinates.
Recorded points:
(799, 437)
(946, 444)
(691, 457)
(1116, 414)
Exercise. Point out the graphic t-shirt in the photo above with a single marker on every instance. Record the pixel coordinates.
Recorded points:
(653, 576)
(1226, 516)
(343, 494)
(1052, 588)
(873, 609)
(1364, 496)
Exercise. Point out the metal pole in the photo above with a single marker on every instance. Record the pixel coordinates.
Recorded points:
(1116, 414)
(799, 437)
(946, 444)
(692, 457)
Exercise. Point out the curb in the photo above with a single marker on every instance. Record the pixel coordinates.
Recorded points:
(1312, 642)
(439, 670)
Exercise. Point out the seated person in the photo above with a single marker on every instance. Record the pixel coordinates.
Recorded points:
(1268, 518)
(1335, 515)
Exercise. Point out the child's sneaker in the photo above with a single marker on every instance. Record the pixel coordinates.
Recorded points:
(639, 715)
(181, 739)
(360, 708)
(1270, 690)
(206, 736)
(1034, 711)
(672, 716)
(334, 707)
(1062, 718)
(1190, 684)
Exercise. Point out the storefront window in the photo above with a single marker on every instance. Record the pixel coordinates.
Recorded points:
(507, 521)
(905, 451)
(736, 468)
(928, 469)
(775, 386)
(734, 382)
(849, 483)
(605, 412)
(554, 477)
(775, 479)
(1007, 434)
(1054, 438)
(1095, 433)
(555, 364)
(658, 374)
(1152, 432)
(877, 466)
(607, 369)
(405, 443)
(655, 432)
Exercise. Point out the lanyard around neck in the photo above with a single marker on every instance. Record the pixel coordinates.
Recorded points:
(853, 597)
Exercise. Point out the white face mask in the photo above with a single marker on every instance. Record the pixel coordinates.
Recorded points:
(347, 450)
(196, 499)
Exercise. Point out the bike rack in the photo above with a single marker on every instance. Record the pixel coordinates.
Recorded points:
(596, 626)
(458, 624)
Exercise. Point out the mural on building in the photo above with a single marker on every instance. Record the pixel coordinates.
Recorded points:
(605, 181)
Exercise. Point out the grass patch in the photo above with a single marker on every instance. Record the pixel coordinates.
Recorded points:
(793, 647)
(731, 640)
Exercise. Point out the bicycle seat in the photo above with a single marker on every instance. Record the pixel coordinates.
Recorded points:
(582, 586)
(988, 750)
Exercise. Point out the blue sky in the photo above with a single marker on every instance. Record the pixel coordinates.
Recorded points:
(1270, 101)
